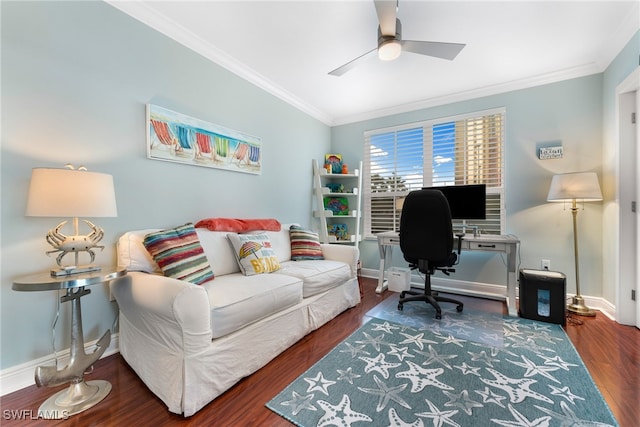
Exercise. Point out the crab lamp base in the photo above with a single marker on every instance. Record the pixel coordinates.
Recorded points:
(73, 269)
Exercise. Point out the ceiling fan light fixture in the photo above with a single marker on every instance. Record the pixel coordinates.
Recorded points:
(389, 50)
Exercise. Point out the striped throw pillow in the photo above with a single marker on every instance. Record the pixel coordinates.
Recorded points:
(305, 244)
(178, 253)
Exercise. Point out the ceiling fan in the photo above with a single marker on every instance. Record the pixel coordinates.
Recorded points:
(390, 43)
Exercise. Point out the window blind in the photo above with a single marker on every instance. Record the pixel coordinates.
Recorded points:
(450, 151)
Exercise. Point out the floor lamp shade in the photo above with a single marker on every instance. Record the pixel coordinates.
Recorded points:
(574, 186)
(68, 193)
(571, 187)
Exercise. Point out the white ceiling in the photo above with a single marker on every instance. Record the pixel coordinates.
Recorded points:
(288, 47)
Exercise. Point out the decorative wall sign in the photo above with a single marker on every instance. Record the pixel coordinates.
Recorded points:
(175, 137)
(545, 153)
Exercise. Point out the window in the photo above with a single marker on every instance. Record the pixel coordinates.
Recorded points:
(450, 151)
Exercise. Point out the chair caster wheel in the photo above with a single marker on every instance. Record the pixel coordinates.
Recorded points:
(459, 308)
(400, 307)
(438, 316)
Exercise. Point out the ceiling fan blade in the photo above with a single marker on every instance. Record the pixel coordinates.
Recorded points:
(349, 65)
(387, 11)
(437, 49)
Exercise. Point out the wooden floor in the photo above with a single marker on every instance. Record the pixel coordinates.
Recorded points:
(610, 351)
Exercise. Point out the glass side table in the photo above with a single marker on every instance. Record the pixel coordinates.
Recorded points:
(81, 395)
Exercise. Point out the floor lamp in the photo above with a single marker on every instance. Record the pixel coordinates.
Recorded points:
(573, 187)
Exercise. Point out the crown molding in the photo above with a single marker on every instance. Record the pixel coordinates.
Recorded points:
(150, 17)
(554, 77)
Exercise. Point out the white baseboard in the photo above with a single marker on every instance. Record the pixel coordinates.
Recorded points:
(21, 376)
(491, 291)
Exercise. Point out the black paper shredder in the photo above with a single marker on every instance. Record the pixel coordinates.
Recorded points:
(543, 295)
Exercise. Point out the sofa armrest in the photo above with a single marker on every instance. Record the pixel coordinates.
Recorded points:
(172, 312)
(344, 253)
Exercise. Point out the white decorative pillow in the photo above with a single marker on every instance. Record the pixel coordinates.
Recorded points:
(254, 253)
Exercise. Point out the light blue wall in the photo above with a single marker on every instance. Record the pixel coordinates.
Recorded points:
(570, 112)
(75, 80)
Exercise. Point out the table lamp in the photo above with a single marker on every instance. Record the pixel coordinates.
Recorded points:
(72, 193)
(572, 187)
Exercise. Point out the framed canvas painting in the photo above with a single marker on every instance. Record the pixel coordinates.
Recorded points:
(175, 137)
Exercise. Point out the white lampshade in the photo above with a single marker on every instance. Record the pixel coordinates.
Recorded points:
(70, 193)
(574, 186)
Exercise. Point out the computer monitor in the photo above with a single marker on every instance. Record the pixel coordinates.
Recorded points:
(465, 201)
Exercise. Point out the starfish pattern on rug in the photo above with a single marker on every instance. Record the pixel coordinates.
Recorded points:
(381, 374)
(564, 392)
(462, 401)
(396, 421)
(299, 402)
(421, 377)
(489, 396)
(378, 364)
(569, 417)
(374, 341)
(347, 375)
(418, 340)
(432, 356)
(340, 415)
(450, 339)
(319, 383)
(468, 370)
(533, 369)
(400, 352)
(355, 351)
(439, 417)
(386, 394)
(518, 389)
(522, 421)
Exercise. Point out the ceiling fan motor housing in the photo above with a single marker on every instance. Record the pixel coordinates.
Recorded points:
(382, 39)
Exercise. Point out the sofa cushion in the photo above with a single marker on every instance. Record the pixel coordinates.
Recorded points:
(179, 254)
(237, 300)
(238, 225)
(305, 244)
(254, 253)
(317, 275)
(132, 254)
(219, 252)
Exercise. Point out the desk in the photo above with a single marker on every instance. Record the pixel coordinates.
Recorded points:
(507, 244)
(80, 395)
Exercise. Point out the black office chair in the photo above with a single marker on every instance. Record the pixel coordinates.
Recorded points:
(426, 241)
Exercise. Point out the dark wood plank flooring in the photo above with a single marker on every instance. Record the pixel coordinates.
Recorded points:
(610, 351)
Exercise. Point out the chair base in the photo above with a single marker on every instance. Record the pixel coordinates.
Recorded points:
(430, 298)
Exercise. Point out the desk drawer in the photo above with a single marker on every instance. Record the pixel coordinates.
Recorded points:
(487, 246)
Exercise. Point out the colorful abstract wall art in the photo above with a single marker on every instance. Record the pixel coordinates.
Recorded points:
(175, 137)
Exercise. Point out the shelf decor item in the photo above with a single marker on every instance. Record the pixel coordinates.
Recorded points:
(337, 205)
(339, 231)
(335, 161)
(335, 187)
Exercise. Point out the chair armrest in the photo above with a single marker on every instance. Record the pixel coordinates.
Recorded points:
(345, 253)
(170, 311)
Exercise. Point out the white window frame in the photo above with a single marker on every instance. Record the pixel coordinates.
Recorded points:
(392, 224)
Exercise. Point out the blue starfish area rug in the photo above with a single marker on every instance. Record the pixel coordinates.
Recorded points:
(479, 326)
(389, 374)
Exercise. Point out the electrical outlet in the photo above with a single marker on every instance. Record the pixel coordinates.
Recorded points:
(545, 264)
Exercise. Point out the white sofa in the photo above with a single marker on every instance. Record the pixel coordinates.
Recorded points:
(190, 343)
